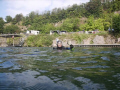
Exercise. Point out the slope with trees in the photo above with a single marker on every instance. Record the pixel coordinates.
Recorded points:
(98, 14)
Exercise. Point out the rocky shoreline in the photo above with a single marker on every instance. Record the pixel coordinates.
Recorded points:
(91, 40)
(99, 40)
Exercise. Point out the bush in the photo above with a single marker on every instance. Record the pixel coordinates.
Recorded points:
(93, 24)
(80, 37)
(116, 22)
(71, 25)
(40, 40)
(11, 29)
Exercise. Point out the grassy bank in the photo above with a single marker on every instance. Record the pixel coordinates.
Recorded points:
(41, 40)
(44, 40)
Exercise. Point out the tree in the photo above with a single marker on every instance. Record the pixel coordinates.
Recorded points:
(11, 29)
(8, 19)
(94, 7)
(115, 5)
(1, 25)
(48, 27)
(32, 15)
(93, 24)
(17, 18)
(116, 23)
(71, 25)
(14, 21)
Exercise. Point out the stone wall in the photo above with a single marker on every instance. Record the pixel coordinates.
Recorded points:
(3, 42)
(96, 40)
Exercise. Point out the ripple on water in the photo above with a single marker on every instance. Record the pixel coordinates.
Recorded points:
(1, 61)
(89, 52)
(45, 60)
(105, 52)
(117, 54)
(117, 76)
(95, 56)
(6, 64)
(89, 62)
(77, 68)
(54, 65)
(66, 85)
(90, 67)
(63, 61)
(30, 54)
(105, 58)
(16, 67)
(84, 57)
(72, 61)
(87, 84)
(43, 71)
(55, 78)
(103, 70)
(97, 66)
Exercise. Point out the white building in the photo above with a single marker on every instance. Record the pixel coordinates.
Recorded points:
(33, 32)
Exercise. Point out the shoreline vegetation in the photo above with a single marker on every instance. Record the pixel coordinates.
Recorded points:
(43, 40)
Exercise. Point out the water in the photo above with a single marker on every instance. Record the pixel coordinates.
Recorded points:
(47, 69)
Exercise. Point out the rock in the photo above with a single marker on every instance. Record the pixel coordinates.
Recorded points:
(118, 39)
(3, 45)
(3, 42)
(110, 40)
(86, 41)
(54, 43)
(98, 40)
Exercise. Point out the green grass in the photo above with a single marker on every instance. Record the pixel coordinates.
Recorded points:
(102, 33)
(80, 37)
(41, 40)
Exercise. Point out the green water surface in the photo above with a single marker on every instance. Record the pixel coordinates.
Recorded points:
(31, 68)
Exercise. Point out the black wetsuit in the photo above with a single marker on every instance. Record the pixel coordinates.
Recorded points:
(64, 48)
(60, 48)
(71, 47)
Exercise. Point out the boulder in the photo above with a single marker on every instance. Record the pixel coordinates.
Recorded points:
(86, 41)
(98, 40)
(110, 40)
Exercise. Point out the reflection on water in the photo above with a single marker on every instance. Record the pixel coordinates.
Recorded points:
(47, 69)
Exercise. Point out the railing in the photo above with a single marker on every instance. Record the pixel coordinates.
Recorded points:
(10, 35)
(97, 45)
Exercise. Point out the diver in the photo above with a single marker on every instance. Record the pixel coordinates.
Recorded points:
(59, 45)
(71, 47)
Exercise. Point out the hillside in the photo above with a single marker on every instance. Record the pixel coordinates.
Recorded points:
(87, 16)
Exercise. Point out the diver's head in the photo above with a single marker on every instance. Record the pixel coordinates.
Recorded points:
(59, 44)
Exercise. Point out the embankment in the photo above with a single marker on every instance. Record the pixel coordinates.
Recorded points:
(44, 40)
(85, 39)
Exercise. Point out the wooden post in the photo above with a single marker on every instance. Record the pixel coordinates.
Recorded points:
(13, 40)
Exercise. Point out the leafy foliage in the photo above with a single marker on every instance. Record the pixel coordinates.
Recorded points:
(94, 7)
(116, 23)
(39, 40)
(97, 12)
(1, 25)
(8, 19)
(71, 25)
(11, 29)
(95, 24)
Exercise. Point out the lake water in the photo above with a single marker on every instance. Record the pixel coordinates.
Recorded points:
(30, 68)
